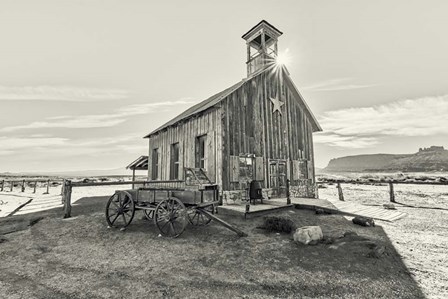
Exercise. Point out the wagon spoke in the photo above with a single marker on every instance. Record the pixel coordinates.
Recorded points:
(110, 215)
(124, 218)
(172, 227)
(116, 216)
(115, 204)
(119, 199)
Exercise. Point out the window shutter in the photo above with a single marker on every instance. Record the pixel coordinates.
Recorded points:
(259, 169)
(234, 168)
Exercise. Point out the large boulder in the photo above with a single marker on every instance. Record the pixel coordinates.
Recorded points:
(308, 235)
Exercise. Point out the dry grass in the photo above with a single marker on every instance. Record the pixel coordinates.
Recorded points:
(81, 258)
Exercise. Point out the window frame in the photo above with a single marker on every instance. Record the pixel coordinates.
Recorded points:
(155, 164)
(175, 163)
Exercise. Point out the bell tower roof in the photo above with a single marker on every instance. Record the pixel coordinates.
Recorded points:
(262, 25)
(262, 48)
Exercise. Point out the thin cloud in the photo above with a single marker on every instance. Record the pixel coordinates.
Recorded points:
(64, 147)
(98, 120)
(353, 142)
(10, 145)
(60, 93)
(425, 116)
(338, 84)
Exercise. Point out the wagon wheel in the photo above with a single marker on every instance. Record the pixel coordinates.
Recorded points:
(149, 214)
(196, 218)
(169, 217)
(120, 210)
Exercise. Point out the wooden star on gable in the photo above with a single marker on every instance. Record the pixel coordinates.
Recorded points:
(277, 105)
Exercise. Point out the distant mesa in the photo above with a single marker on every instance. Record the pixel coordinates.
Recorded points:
(434, 158)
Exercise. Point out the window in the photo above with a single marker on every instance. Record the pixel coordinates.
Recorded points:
(200, 151)
(174, 163)
(155, 164)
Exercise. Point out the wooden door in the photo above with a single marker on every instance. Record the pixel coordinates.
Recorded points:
(277, 177)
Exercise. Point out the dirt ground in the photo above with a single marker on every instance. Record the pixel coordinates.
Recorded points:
(79, 257)
(421, 238)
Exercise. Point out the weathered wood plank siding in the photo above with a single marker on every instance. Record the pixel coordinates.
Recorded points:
(208, 122)
(249, 125)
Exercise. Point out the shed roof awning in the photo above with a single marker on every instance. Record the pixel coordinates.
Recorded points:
(140, 164)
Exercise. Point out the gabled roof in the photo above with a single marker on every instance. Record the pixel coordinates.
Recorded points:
(204, 105)
(258, 25)
(215, 99)
(140, 164)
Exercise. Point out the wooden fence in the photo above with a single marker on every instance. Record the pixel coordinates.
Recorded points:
(23, 183)
(389, 182)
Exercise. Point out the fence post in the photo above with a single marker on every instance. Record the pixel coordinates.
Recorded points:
(12, 185)
(3, 184)
(316, 194)
(391, 192)
(35, 185)
(67, 198)
(62, 187)
(23, 185)
(48, 187)
(341, 195)
(288, 194)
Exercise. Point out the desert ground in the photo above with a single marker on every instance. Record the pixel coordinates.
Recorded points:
(421, 238)
(45, 256)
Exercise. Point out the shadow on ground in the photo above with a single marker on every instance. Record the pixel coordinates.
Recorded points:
(47, 256)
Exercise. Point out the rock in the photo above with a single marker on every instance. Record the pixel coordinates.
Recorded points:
(350, 233)
(308, 235)
(363, 221)
(377, 252)
(389, 206)
(279, 224)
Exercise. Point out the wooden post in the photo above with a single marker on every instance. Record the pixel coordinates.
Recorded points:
(341, 195)
(23, 185)
(35, 185)
(62, 187)
(133, 177)
(288, 194)
(391, 192)
(67, 198)
(3, 184)
(317, 190)
(12, 185)
(48, 187)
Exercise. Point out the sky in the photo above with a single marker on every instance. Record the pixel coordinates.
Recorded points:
(81, 82)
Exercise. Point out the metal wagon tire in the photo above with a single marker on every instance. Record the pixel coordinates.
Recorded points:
(170, 217)
(120, 210)
(196, 218)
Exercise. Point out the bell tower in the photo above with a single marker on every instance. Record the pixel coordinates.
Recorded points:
(262, 49)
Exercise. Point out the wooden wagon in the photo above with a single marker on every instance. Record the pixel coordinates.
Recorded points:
(171, 209)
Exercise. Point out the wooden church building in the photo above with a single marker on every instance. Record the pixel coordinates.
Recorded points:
(258, 129)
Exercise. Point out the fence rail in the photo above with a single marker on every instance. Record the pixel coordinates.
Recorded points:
(23, 183)
(378, 182)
